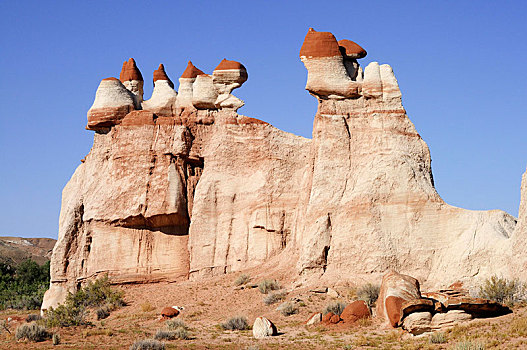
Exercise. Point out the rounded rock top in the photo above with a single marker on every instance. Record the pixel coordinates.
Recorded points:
(130, 71)
(191, 71)
(319, 44)
(226, 64)
(351, 49)
(160, 74)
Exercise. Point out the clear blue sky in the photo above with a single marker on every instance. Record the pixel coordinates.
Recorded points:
(460, 66)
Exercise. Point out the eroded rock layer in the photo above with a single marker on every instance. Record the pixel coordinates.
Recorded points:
(181, 186)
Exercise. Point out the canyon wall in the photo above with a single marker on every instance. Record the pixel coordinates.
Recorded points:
(181, 186)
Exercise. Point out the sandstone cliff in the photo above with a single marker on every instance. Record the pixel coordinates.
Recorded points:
(181, 186)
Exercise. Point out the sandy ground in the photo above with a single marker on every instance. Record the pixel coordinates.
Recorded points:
(209, 303)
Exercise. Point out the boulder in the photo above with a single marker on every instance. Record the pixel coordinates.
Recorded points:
(314, 319)
(169, 312)
(262, 328)
(332, 293)
(418, 322)
(330, 318)
(449, 319)
(355, 311)
(395, 289)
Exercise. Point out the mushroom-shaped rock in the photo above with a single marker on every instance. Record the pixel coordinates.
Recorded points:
(395, 289)
(132, 79)
(228, 76)
(263, 328)
(351, 49)
(184, 99)
(164, 97)
(112, 103)
(169, 312)
(326, 74)
(204, 94)
(355, 311)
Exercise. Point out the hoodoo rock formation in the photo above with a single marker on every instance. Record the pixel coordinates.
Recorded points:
(181, 186)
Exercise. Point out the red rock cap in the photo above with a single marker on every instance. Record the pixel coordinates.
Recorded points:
(191, 71)
(226, 64)
(351, 49)
(160, 74)
(110, 79)
(130, 71)
(319, 44)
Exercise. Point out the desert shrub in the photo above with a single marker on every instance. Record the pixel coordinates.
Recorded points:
(502, 290)
(268, 285)
(32, 332)
(147, 344)
(23, 286)
(335, 308)
(75, 309)
(56, 339)
(102, 312)
(175, 324)
(369, 293)
(33, 317)
(236, 323)
(469, 345)
(274, 298)
(146, 307)
(164, 335)
(242, 279)
(288, 309)
(438, 338)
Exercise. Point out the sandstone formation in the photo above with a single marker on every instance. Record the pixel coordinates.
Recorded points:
(112, 103)
(401, 303)
(163, 100)
(188, 188)
(263, 328)
(314, 319)
(132, 79)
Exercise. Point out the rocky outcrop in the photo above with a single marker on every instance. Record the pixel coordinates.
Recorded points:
(355, 311)
(395, 290)
(187, 188)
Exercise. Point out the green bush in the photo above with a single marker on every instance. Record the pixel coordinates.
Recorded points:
(268, 285)
(178, 333)
(75, 309)
(32, 332)
(369, 293)
(102, 312)
(236, 323)
(147, 344)
(23, 286)
(335, 308)
(242, 279)
(502, 290)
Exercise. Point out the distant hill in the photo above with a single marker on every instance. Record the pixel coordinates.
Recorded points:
(14, 250)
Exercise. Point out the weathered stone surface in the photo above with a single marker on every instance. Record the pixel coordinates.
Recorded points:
(263, 328)
(396, 289)
(200, 192)
(132, 79)
(163, 100)
(112, 102)
(204, 94)
(418, 323)
(449, 319)
(350, 49)
(355, 311)
(314, 319)
(415, 305)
